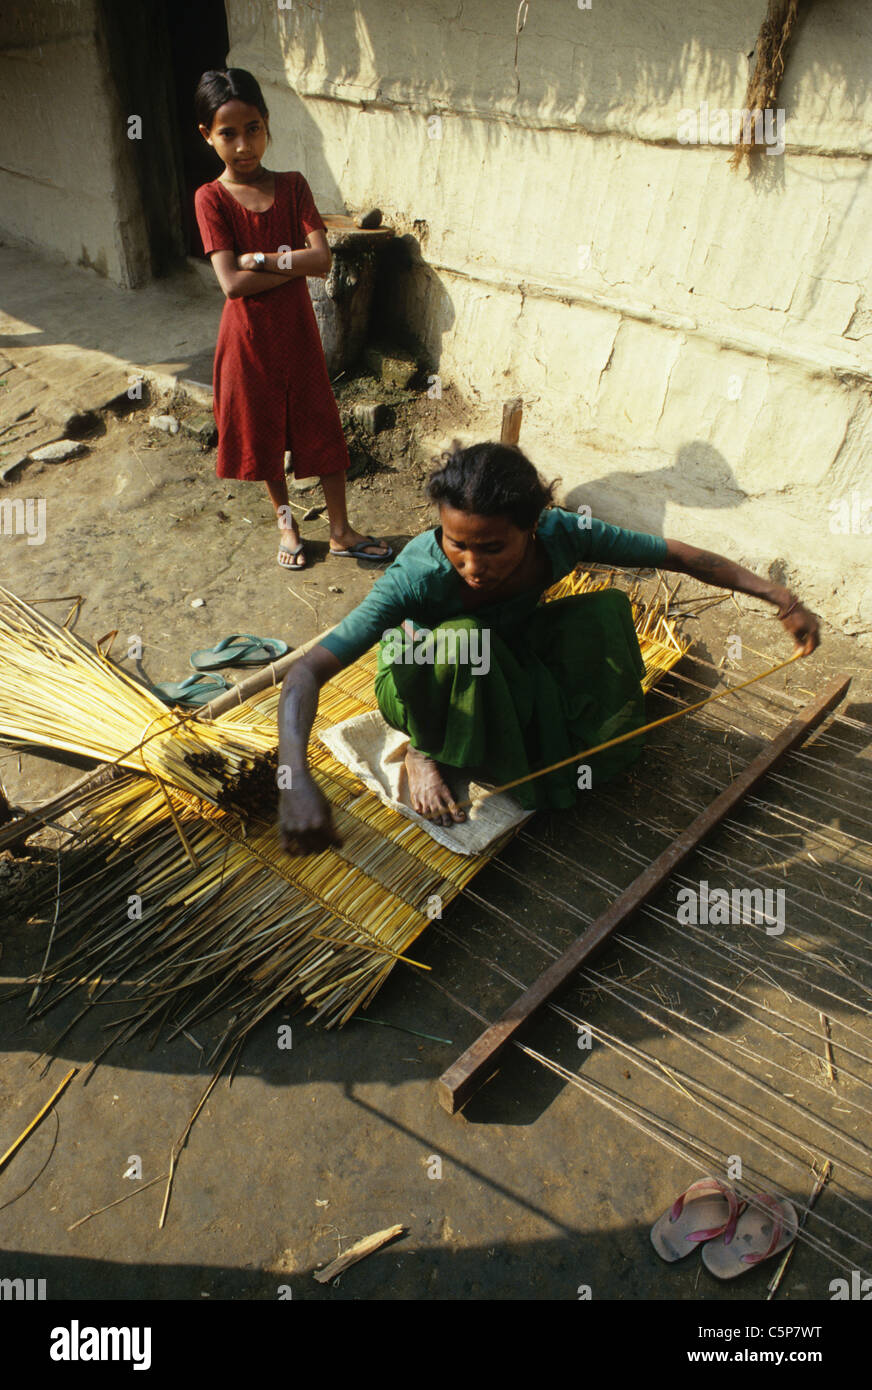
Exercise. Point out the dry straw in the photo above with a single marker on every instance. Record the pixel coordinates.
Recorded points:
(56, 692)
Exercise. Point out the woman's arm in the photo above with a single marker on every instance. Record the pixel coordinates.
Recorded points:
(305, 825)
(717, 569)
(238, 277)
(305, 821)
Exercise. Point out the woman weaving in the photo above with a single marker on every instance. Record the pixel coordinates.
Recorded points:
(474, 669)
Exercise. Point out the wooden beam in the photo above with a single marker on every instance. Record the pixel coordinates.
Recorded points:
(15, 832)
(510, 430)
(477, 1063)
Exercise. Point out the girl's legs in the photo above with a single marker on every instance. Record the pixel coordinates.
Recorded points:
(342, 537)
(290, 536)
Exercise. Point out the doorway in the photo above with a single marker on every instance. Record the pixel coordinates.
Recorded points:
(155, 52)
(199, 41)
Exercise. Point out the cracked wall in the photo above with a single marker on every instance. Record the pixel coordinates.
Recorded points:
(692, 343)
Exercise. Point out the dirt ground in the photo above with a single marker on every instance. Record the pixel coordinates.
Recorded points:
(543, 1191)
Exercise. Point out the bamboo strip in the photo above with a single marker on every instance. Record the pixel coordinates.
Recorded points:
(14, 1147)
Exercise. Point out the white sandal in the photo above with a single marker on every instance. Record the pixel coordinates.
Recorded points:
(283, 550)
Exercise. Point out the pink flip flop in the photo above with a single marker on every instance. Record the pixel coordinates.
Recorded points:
(707, 1209)
(766, 1227)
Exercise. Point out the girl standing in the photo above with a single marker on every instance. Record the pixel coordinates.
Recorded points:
(264, 235)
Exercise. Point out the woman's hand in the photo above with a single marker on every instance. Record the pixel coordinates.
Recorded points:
(726, 574)
(305, 819)
(803, 627)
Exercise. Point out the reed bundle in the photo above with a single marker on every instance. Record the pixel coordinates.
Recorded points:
(57, 692)
(227, 921)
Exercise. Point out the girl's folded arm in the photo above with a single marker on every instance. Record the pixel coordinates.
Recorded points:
(236, 283)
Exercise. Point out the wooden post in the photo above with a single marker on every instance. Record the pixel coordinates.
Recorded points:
(473, 1068)
(513, 411)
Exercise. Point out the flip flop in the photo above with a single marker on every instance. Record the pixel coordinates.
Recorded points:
(358, 552)
(283, 550)
(239, 649)
(707, 1209)
(759, 1235)
(196, 690)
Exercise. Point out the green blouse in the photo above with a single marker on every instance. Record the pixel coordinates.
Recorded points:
(422, 585)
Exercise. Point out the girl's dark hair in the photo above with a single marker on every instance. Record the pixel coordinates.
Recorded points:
(491, 480)
(236, 84)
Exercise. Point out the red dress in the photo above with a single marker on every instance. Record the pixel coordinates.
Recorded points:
(270, 382)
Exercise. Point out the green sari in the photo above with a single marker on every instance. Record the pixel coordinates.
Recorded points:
(559, 678)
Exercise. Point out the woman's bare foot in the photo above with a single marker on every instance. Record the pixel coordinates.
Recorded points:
(371, 550)
(428, 791)
(289, 540)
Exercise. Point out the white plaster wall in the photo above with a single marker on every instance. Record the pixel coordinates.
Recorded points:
(692, 343)
(63, 186)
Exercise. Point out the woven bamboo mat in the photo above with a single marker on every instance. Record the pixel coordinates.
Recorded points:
(228, 919)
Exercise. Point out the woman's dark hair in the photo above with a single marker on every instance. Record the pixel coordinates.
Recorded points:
(236, 84)
(491, 480)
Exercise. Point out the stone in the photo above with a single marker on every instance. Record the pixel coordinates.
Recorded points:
(198, 603)
(198, 391)
(370, 219)
(202, 428)
(392, 368)
(66, 417)
(57, 452)
(362, 462)
(9, 467)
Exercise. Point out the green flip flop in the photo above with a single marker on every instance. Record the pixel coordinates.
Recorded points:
(239, 649)
(196, 690)
(361, 551)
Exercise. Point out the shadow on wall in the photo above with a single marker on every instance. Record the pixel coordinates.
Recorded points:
(596, 64)
(699, 478)
(297, 144)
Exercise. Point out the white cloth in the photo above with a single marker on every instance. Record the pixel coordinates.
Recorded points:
(375, 753)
